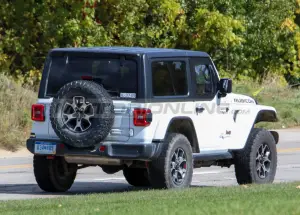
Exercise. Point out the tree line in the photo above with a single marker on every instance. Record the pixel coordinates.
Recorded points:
(247, 39)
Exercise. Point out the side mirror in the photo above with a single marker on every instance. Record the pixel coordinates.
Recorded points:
(225, 86)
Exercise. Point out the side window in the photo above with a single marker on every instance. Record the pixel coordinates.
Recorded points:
(169, 78)
(204, 76)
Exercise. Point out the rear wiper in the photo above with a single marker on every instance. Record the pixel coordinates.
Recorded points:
(114, 92)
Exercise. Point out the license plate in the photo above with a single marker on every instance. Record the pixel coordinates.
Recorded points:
(45, 148)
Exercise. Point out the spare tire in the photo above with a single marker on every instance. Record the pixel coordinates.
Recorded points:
(82, 113)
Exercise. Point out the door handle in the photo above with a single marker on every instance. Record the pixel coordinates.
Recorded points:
(224, 109)
(199, 109)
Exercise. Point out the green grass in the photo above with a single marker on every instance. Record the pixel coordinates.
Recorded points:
(285, 100)
(264, 199)
(15, 106)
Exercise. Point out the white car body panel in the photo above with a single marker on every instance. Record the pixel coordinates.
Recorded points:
(239, 124)
(120, 131)
(215, 128)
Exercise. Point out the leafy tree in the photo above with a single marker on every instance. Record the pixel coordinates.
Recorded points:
(217, 34)
(30, 28)
(154, 23)
(262, 43)
(247, 39)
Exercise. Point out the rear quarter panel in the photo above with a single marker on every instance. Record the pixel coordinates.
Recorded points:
(163, 113)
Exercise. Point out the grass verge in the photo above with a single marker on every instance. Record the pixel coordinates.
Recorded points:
(263, 199)
(15, 106)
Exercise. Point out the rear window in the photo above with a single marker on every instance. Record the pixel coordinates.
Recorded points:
(118, 77)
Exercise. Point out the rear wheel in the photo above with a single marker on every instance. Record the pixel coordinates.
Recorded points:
(54, 175)
(257, 162)
(136, 177)
(174, 167)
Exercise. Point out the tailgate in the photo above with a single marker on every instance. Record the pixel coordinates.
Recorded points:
(120, 129)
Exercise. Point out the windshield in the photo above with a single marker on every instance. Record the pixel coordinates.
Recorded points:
(118, 77)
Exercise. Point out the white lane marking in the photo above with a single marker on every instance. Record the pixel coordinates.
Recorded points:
(208, 172)
(99, 179)
(229, 178)
(108, 179)
(122, 178)
(289, 166)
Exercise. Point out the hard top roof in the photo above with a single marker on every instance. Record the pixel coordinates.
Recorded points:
(136, 50)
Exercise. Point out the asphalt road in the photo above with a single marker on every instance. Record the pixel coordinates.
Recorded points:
(17, 180)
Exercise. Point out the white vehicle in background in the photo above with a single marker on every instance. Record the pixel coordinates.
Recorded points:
(155, 114)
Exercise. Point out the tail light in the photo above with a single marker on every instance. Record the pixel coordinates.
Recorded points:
(37, 112)
(86, 77)
(142, 117)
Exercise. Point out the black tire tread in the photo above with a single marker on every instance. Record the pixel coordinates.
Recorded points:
(242, 158)
(42, 173)
(156, 170)
(45, 178)
(136, 177)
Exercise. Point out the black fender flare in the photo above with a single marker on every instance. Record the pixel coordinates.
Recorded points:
(195, 142)
(266, 116)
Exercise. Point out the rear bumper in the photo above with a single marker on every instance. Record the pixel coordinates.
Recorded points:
(113, 150)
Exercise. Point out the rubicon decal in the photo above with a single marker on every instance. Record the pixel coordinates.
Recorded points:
(243, 101)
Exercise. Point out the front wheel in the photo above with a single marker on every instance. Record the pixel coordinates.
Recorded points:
(174, 166)
(257, 162)
(54, 175)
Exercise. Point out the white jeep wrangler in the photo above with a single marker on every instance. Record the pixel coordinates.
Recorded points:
(154, 114)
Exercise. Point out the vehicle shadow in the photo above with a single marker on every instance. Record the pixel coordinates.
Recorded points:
(78, 188)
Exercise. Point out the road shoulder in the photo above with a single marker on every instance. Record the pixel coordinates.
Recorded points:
(22, 152)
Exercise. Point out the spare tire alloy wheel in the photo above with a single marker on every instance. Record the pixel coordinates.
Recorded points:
(77, 115)
(82, 114)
